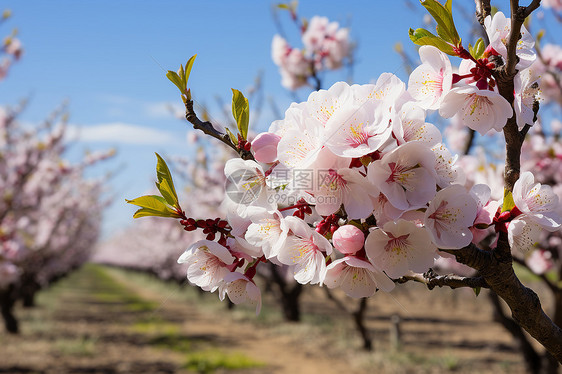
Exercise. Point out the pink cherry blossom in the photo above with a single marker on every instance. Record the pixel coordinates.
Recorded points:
(406, 175)
(207, 263)
(481, 110)
(539, 261)
(343, 186)
(267, 231)
(303, 250)
(498, 29)
(537, 201)
(240, 290)
(356, 277)
(348, 239)
(526, 93)
(431, 80)
(449, 216)
(400, 247)
(412, 126)
(448, 171)
(264, 146)
(523, 233)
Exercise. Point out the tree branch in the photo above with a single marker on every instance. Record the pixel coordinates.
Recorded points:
(207, 128)
(483, 10)
(497, 270)
(453, 281)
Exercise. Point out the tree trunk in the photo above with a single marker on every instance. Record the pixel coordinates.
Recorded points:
(532, 358)
(359, 318)
(7, 301)
(552, 365)
(28, 296)
(290, 296)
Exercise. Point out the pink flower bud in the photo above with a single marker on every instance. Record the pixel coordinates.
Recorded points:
(265, 147)
(348, 239)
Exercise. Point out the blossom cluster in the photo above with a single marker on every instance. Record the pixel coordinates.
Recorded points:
(11, 50)
(472, 96)
(49, 214)
(354, 189)
(325, 47)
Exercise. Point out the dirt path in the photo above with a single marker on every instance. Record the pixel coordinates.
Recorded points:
(102, 320)
(97, 321)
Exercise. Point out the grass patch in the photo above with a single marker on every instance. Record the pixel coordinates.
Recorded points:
(210, 360)
(83, 346)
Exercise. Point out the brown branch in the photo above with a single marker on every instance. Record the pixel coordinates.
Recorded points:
(497, 270)
(450, 280)
(504, 76)
(483, 10)
(207, 128)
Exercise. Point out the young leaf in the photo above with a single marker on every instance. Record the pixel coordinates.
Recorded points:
(508, 202)
(241, 112)
(188, 66)
(232, 137)
(477, 290)
(152, 205)
(424, 37)
(478, 50)
(145, 212)
(175, 79)
(163, 174)
(444, 18)
(167, 192)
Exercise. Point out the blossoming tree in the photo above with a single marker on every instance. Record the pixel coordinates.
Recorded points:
(354, 189)
(50, 214)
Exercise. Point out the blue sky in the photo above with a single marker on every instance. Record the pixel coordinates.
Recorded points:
(108, 58)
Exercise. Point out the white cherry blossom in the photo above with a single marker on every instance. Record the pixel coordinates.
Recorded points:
(207, 263)
(240, 290)
(523, 233)
(406, 175)
(356, 277)
(430, 81)
(537, 201)
(303, 250)
(400, 247)
(267, 231)
(498, 29)
(481, 110)
(449, 216)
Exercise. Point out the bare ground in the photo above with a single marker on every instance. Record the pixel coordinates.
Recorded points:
(102, 320)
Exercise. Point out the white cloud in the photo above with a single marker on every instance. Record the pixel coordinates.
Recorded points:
(122, 133)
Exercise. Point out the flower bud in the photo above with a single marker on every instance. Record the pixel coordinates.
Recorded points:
(265, 147)
(348, 239)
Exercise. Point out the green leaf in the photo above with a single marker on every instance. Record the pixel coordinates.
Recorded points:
(477, 290)
(283, 6)
(508, 202)
(424, 37)
(478, 50)
(232, 137)
(188, 66)
(144, 212)
(165, 182)
(182, 76)
(167, 192)
(444, 18)
(175, 79)
(241, 112)
(152, 205)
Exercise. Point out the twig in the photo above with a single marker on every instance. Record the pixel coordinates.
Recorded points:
(450, 280)
(207, 128)
(483, 10)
